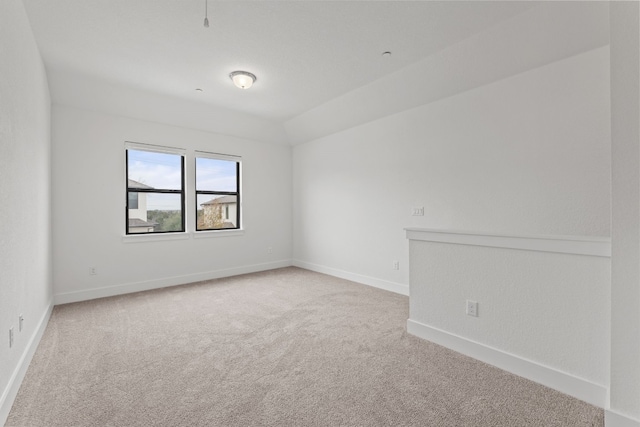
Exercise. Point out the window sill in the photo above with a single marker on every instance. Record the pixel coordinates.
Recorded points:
(139, 238)
(216, 233)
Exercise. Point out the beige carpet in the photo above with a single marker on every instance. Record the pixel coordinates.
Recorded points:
(286, 347)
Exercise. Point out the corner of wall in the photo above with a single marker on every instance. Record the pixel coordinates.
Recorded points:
(398, 288)
(11, 390)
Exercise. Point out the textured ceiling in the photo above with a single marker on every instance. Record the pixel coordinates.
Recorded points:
(304, 53)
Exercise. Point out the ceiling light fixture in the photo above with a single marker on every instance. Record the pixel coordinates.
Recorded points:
(242, 79)
(206, 19)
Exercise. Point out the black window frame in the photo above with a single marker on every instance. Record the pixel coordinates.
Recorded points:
(155, 190)
(229, 158)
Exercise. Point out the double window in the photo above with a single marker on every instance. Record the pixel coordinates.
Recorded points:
(155, 193)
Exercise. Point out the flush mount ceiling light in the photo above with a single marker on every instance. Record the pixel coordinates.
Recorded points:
(242, 79)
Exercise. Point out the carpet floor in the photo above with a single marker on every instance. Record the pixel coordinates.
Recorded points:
(286, 347)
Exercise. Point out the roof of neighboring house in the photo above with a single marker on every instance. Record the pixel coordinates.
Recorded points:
(136, 184)
(219, 200)
(137, 222)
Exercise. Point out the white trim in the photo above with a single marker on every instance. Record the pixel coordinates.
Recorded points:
(11, 391)
(615, 419)
(577, 245)
(204, 234)
(398, 288)
(579, 388)
(140, 146)
(127, 288)
(217, 156)
(154, 237)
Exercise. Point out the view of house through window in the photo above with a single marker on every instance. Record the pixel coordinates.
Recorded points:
(217, 193)
(155, 192)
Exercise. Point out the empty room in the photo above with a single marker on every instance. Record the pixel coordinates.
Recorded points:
(319, 213)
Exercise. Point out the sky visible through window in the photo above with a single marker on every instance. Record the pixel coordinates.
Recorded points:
(215, 175)
(157, 170)
(162, 171)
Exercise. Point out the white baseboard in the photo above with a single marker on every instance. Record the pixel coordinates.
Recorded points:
(615, 419)
(11, 391)
(398, 288)
(579, 388)
(127, 288)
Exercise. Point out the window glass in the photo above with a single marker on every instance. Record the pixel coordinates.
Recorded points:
(133, 200)
(157, 170)
(216, 212)
(155, 192)
(216, 175)
(217, 194)
(165, 211)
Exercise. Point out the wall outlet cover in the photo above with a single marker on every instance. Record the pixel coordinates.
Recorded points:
(472, 308)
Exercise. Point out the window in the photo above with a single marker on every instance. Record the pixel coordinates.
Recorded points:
(133, 200)
(155, 189)
(217, 192)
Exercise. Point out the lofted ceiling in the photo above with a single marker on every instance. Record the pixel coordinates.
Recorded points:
(304, 53)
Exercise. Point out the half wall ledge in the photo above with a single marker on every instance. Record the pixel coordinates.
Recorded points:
(577, 245)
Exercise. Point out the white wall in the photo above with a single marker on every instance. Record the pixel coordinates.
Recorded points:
(88, 160)
(529, 154)
(526, 154)
(25, 238)
(553, 308)
(625, 233)
(544, 315)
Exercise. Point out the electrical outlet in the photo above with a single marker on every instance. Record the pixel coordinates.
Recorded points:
(92, 271)
(11, 337)
(418, 211)
(20, 322)
(472, 308)
(396, 265)
(269, 250)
